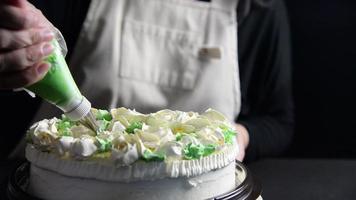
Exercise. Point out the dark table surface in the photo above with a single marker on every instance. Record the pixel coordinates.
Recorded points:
(292, 179)
(309, 179)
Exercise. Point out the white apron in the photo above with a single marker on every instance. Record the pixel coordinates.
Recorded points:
(155, 54)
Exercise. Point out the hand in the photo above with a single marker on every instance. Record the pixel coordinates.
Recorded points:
(242, 141)
(24, 41)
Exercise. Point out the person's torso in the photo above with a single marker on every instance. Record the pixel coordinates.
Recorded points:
(156, 54)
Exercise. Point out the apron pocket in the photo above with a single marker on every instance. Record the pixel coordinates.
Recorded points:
(159, 55)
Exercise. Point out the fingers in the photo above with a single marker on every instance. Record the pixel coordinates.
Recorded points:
(18, 3)
(24, 42)
(23, 78)
(22, 58)
(243, 139)
(241, 155)
(15, 18)
(19, 39)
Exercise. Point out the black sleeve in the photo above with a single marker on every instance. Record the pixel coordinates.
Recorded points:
(265, 73)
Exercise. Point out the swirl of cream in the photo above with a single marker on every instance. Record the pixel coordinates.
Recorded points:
(165, 135)
(214, 115)
(165, 115)
(81, 130)
(64, 144)
(127, 116)
(207, 136)
(198, 123)
(187, 139)
(83, 147)
(118, 127)
(135, 139)
(184, 117)
(150, 140)
(107, 135)
(219, 133)
(44, 133)
(172, 150)
(123, 153)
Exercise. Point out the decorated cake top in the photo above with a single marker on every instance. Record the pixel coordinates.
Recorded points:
(126, 136)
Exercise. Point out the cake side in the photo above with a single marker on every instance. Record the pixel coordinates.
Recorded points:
(51, 185)
(131, 146)
(137, 171)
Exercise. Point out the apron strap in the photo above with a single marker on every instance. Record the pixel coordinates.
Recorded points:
(225, 4)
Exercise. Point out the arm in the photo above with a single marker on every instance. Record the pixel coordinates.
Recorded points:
(265, 70)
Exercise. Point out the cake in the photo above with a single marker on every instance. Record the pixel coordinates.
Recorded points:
(163, 155)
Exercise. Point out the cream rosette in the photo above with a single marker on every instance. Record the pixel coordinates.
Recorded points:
(127, 116)
(208, 136)
(172, 150)
(150, 140)
(124, 153)
(44, 133)
(108, 135)
(80, 130)
(64, 144)
(173, 116)
(118, 127)
(83, 147)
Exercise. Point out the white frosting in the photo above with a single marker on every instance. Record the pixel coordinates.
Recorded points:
(124, 153)
(50, 185)
(149, 140)
(207, 136)
(83, 147)
(81, 130)
(165, 135)
(172, 150)
(144, 132)
(186, 139)
(137, 171)
(118, 127)
(64, 144)
(44, 132)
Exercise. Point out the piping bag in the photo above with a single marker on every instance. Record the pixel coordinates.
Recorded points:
(59, 88)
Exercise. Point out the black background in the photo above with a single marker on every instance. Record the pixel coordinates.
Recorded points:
(323, 38)
(323, 44)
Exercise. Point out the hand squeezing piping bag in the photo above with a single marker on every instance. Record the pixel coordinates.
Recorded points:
(59, 88)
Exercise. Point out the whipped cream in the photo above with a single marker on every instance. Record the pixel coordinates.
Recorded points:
(127, 136)
(123, 152)
(44, 133)
(83, 147)
(64, 144)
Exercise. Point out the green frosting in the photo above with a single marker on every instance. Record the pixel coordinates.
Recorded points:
(104, 144)
(179, 136)
(103, 115)
(64, 126)
(104, 125)
(133, 126)
(150, 156)
(196, 151)
(229, 135)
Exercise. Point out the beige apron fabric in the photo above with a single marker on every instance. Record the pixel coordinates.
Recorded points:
(154, 54)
